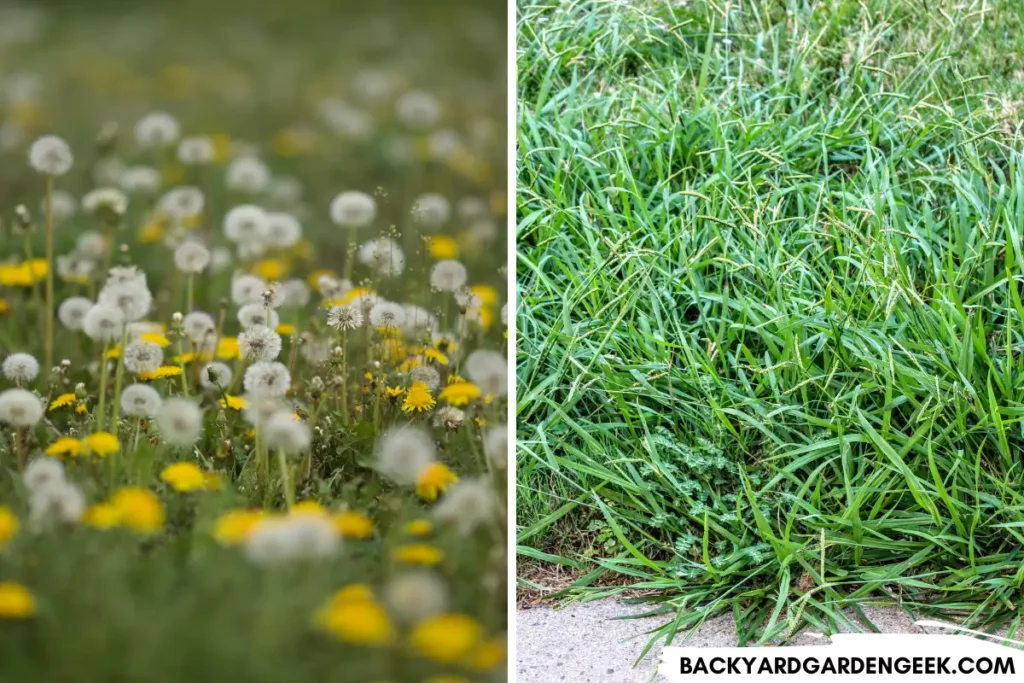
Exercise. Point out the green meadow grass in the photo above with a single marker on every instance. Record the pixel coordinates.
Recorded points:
(770, 315)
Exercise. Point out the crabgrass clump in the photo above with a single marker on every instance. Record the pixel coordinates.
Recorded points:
(243, 436)
(770, 319)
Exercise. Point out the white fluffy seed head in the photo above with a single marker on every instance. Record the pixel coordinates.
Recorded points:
(278, 541)
(489, 371)
(157, 129)
(20, 367)
(259, 343)
(246, 223)
(415, 596)
(191, 257)
(427, 375)
(132, 298)
(197, 326)
(142, 356)
(467, 505)
(105, 201)
(387, 315)
(196, 150)
(383, 255)
(431, 210)
(64, 205)
(20, 408)
(295, 293)
(58, 502)
(252, 315)
(345, 318)
(215, 376)
(418, 109)
(183, 203)
(247, 289)
(103, 322)
(140, 400)
(448, 276)
(180, 421)
(247, 174)
(50, 155)
(140, 180)
(353, 209)
(72, 310)
(260, 407)
(403, 452)
(42, 472)
(496, 445)
(283, 230)
(284, 433)
(267, 379)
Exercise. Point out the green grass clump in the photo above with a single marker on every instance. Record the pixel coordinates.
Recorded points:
(770, 316)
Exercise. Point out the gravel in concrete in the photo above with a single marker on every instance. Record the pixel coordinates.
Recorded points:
(586, 643)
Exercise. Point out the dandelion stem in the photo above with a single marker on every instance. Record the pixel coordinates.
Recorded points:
(190, 295)
(181, 362)
(48, 354)
(19, 439)
(118, 378)
(101, 412)
(344, 377)
(286, 486)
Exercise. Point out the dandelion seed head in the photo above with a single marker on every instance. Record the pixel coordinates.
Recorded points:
(297, 537)
(284, 433)
(197, 325)
(126, 275)
(42, 472)
(384, 255)
(246, 222)
(416, 595)
(496, 445)
(180, 421)
(345, 318)
(196, 150)
(20, 367)
(60, 501)
(419, 110)
(431, 210)
(140, 400)
(261, 407)
(71, 312)
(64, 205)
(295, 293)
(267, 378)
(132, 298)
(403, 452)
(255, 315)
(489, 371)
(191, 257)
(247, 174)
(105, 201)
(283, 230)
(183, 203)
(20, 408)
(142, 356)
(427, 375)
(448, 276)
(259, 343)
(331, 287)
(215, 376)
(388, 315)
(471, 208)
(449, 418)
(157, 129)
(345, 119)
(103, 322)
(140, 180)
(91, 245)
(247, 289)
(353, 209)
(50, 155)
(467, 505)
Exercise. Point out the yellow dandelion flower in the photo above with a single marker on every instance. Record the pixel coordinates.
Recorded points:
(419, 527)
(446, 638)
(81, 408)
(4, 306)
(313, 280)
(488, 295)
(151, 232)
(353, 294)
(354, 592)
(270, 269)
(351, 524)
(489, 654)
(359, 622)
(62, 401)
(436, 356)
(499, 202)
(286, 329)
(155, 338)
(213, 481)
(184, 477)
(443, 247)
(308, 507)
(419, 554)
(459, 393)
(38, 268)
(393, 392)
(433, 480)
(227, 348)
(8, 526)
(221, 146)
(139, 509)
(234, 402)
(16, 601)
(418, 398)
(114, 353)
(101, 444)
(102, 516)
(162, 372)
(234, 526)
